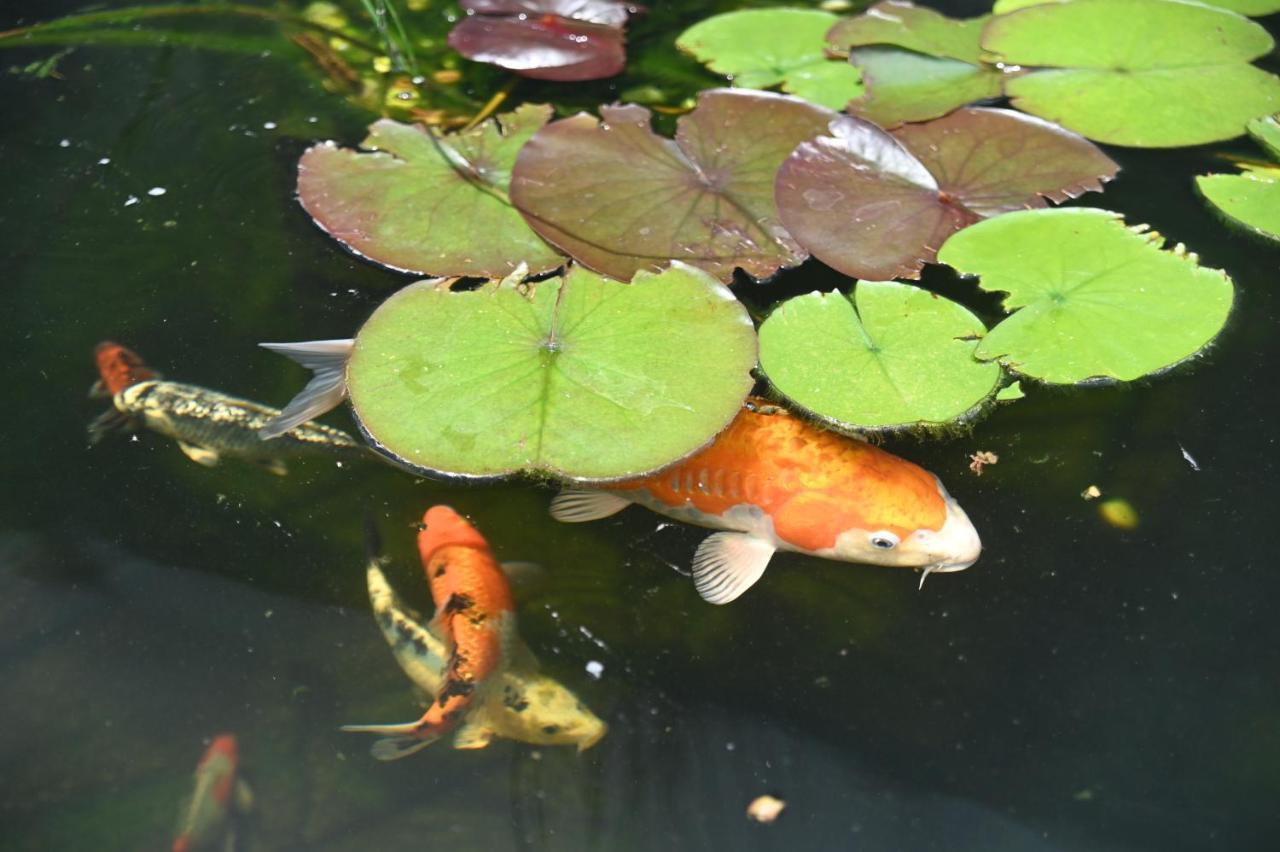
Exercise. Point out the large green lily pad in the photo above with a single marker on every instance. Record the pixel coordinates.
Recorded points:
(1253, 8)
(581, 378)
(914, 28)
(426, 203)
(762, 48)
(619, 198)
(1092, 298)
(894, 356)
(1148, 73)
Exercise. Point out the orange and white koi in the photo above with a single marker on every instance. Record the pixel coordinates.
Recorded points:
(773, 482)
(207, 424)
(475, 614)
(220, 800)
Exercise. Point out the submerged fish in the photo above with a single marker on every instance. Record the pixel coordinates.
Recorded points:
(221, 798)
(206, 424)
(475, 614)
(519, 702)
(776, 482)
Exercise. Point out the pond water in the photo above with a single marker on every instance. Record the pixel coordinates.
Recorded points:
(1081, 687)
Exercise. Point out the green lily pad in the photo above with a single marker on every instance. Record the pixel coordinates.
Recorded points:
(901, 86)
(1010, 392)
(619, 198)
(425, 203)
(893, 356)
(1252, 8)
(1251, 200)
(912, 27)
(581, 378)
(762, 48)
(1148, 73)
(1092, 298)
(1266, 132)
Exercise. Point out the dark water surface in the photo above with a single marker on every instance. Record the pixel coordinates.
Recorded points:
(1079, 688)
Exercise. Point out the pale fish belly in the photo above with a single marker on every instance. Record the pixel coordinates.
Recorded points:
(742, 517)
(227, 424)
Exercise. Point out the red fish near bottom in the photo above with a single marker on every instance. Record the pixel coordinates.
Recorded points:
(475, 613)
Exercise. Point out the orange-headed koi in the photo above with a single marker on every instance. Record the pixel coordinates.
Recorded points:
(221, 798)
(207, 424)
(776, 482)
(475, 614)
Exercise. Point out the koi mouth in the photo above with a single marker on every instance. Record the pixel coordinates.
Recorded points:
(941, 568)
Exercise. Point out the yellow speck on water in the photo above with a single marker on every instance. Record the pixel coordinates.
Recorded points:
(447, 77)
(765, 808)
(1119, 513)
(381, 64)
(1093, 492)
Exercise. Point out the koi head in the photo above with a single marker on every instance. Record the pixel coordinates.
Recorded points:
(223, 748)
(443, 527)
(549, 714)
(934, 534)
(119, 367)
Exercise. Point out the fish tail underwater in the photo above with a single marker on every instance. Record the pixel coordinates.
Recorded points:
(645, 364)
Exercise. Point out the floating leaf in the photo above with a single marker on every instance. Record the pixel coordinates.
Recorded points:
(1093, 299)
(1148, 73)
(579, 377)
(1251, 199)
(875, 205)
(619, 198)
(564, 40)
(903, 86)
(912, 27)
(894, 356)
(425, 203)
(1252, 8)
(761, 48)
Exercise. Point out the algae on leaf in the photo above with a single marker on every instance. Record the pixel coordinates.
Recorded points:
(1090, 297)
(893, 356)
(1145, 73)
(619, 198)
(577, 377)
(762, 48)
(425, 203)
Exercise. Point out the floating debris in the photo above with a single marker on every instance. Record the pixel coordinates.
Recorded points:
(765, 808)
(1119, 513)
(1190, 459)
(595, 668)
(1093, 492)
(980, 459)
(156, 191)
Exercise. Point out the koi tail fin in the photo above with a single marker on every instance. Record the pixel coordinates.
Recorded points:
(399, 740)
(327, 359)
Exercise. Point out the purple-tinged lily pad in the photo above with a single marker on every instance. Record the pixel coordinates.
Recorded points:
(876, 205)
(619, 198)
(563, 40)
(429, 204)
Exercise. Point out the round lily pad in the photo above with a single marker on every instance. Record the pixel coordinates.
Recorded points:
(761, 48)
(893, 356)
(914, 28)
(901, 85)
(1091, 298)
(1253, 8)
(430, 204)
(619, 198)
(562, 40)
(1147, 73)
(1251, 200)
(582, 378)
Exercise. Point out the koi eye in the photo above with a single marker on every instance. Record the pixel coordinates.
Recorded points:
(884, 540)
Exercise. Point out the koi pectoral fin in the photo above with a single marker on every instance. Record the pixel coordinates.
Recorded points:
(473, 734)
(574, 507)
(200, 455)
(729, 563)
(111, 420)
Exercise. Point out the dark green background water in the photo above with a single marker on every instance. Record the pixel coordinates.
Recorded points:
(1078, 688)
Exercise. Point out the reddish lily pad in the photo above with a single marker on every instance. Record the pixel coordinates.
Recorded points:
(428, 204)
(564, 40)
(619, 198)
(876, 205)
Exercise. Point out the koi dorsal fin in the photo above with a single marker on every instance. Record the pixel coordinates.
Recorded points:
(729, 563)
(327, 359)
